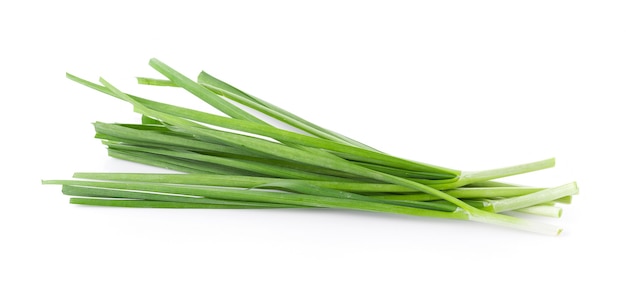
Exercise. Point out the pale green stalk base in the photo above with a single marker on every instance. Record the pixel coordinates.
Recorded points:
(469, 177)
(516, 223)
(474, 192)
(542, 210)
(532, 199)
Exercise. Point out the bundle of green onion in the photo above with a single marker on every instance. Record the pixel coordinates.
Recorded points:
(241, 161)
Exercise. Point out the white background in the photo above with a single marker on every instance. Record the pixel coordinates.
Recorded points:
(463, 84)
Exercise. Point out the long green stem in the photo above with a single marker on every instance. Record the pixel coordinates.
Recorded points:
(157, 162)
(226, 90)
(153, 204)
(255, 196)
(111, 193)
(261, 168)
(307, 188)
(201, 92)
(122, 137)
(238, 181)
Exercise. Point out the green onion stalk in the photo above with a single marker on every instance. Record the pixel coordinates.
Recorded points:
(240, 161)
